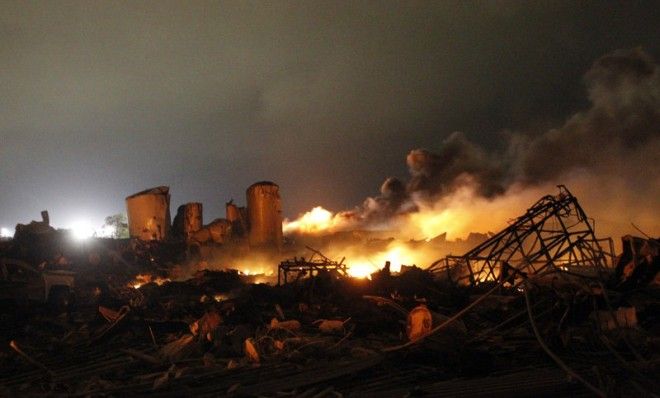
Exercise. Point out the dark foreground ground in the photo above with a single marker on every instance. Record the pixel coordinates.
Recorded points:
(216, 334)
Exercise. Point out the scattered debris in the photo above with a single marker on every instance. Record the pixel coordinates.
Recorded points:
(291, 325)
(328, 326)
(624, 317)
(251, 352)
(639, 264)
(538, 307)
(419, 322)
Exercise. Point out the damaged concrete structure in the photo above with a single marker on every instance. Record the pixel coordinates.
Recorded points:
(149, 214)
(265, 215)
(238, 217)
(220, 230)
(259, 225)
(188, 220)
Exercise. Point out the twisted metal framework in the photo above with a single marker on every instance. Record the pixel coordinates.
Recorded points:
(314, 265)
(554, 234)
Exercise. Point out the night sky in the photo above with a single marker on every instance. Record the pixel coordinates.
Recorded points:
(99, 100)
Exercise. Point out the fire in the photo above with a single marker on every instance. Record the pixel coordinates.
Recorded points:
(220, 297)
(457, 214)
(257, 275)
(314, 221)
(253, 272)
(143, 279)
(362, 270)
(362, 266)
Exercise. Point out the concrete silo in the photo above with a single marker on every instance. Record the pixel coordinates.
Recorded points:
(149, 214)
(264, 215)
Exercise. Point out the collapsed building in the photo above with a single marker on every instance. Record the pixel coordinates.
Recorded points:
(540, 308)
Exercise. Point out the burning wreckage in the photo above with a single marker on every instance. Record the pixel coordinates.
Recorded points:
(541, 308)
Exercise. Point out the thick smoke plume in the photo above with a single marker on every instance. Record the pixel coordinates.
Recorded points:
(607, 153)
(621, 126)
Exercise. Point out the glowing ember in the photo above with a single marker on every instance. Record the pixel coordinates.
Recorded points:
(143, 279)
(253, 272)
(220, 297)
(247, 272)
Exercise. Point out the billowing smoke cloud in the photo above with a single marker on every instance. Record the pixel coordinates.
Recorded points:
(622, 123)
(436, 174)
(392, 200)
(611, 147)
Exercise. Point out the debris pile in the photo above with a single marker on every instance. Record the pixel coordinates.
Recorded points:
(540, 308)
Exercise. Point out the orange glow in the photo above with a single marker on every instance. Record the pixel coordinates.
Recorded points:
(316, 220)
(258, 270)
(362, 270)
(220, 297)
(457, 215)
(361, 265)
(253, 265)
(366, 246)
(255, 271)
(143, 279)
(461, 213)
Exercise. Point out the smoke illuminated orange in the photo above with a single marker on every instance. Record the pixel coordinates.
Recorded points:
(457, 214)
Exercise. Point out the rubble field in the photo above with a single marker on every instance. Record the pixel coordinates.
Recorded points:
(541, 308)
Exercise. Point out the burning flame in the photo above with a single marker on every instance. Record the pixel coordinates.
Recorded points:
(362, 270)
(458, 214)
(143, 279)
(255, 266)
(257, 275)
(314, 221)
(253, 272)
(362, 266)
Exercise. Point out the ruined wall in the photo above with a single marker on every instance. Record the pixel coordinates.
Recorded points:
(188, 220)
(149, 214)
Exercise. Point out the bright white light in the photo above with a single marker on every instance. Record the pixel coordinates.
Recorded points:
(6, 233)
(82, 230)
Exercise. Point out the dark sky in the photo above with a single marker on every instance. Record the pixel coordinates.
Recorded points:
(99, 100)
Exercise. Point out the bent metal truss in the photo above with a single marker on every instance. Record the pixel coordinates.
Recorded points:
(553, 235)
